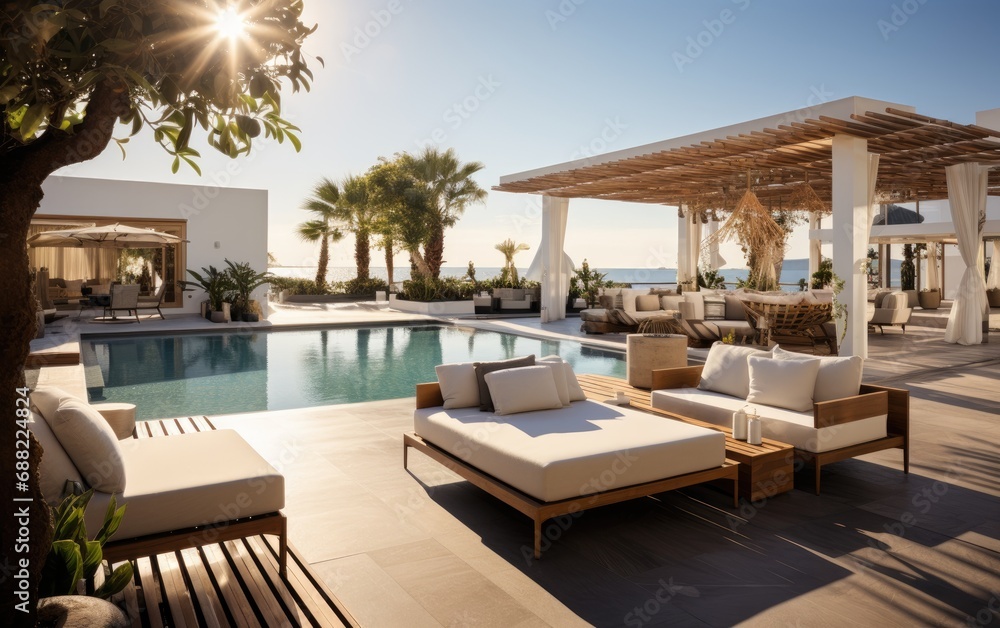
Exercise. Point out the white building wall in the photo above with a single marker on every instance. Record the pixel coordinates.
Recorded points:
(234, 219)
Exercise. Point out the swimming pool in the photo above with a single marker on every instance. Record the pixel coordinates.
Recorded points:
(195, 374)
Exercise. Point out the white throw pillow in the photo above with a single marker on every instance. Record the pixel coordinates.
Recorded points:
(671, 302)
(55, 467)
(782, 383)
(572, 383)
(559, 375)
(726, 369)
(838, 377)
(523, 389)
(647, 303)
(91, 444)
(45, 401)
(458, 383)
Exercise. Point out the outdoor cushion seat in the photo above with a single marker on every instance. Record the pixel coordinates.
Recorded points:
(786, 426)
(568, 452)
(181, 490)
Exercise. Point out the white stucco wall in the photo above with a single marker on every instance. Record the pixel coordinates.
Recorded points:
(235, 218)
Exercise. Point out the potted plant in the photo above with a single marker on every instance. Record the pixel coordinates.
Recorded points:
(244, 281)
(588, 284)
(929, 298)
(908, 275)
(217, 286)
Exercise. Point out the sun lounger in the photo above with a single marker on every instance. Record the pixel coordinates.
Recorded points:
(181, 491)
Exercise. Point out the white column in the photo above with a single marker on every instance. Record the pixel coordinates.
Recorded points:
(555, 271)
(683, 257)
(815, 247)
(850, 241)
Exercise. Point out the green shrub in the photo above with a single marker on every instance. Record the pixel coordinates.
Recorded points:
(422, 288)
(296, 286)
(364, 287)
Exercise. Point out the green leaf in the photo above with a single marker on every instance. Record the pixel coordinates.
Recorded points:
(33, 119)
(294, 140)
(116, 582)
(91, 555)
(63, 569)
(192, 163)
(174, 167)
(8, 93)
(120, 46)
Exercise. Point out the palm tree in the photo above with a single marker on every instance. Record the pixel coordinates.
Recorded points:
(509, 248)
(357, 215)
(323, 229)
(402, 211)
(451, 188)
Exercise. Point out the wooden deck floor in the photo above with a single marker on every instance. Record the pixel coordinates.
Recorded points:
(234, 583)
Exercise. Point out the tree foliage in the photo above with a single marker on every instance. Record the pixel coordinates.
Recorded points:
(70, 71)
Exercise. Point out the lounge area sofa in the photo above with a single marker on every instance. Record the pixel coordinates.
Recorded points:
(816, 404)
(181, 491)
(525, 433)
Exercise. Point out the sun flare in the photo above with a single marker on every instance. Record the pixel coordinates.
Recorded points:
(230, 24)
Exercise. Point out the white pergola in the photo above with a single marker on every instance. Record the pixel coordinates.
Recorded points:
(853, 152)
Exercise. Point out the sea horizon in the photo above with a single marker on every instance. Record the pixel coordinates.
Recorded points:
(792, 271)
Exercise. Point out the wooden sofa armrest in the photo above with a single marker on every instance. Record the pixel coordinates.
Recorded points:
(849, 409)
(429, 395)
(678, 377)
(899, 407)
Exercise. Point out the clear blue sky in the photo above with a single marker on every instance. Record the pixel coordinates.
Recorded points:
(546, 81)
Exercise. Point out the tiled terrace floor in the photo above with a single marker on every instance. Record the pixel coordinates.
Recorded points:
(877, 548)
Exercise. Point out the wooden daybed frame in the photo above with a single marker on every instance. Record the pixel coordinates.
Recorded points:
(152, 544)
(429, 395)
(828, 414)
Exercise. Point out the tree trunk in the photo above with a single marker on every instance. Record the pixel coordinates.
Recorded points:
(389, 253)
(434, 252)
(23, 540)
(418, 264)
(324, 259)
(23, 168)
(362, 253)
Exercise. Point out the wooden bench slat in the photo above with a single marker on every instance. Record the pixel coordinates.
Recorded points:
(229, 584)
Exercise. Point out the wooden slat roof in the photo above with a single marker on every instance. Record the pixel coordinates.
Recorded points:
(914, 151)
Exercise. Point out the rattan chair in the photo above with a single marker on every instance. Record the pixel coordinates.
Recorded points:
(123, 297)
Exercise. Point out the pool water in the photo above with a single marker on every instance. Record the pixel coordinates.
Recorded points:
(195, 374)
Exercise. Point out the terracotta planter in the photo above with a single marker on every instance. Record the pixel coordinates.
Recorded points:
(929, 299)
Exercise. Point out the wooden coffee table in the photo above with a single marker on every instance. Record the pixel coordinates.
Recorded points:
(765, 470)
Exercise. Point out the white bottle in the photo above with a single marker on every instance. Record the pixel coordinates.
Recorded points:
(740, 424)
(753, 429)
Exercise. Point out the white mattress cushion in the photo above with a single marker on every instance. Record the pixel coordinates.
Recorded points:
(782, 383)
(839, 376)
(524, 389)
(726, 370)
(569, 452)
(458, 383)
(187, 480)
(90, 443)
(786, 426)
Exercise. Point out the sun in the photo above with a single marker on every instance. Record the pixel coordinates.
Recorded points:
(230, 24)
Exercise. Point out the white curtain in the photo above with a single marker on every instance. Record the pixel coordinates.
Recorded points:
(993, 281)
(967, 197)
(72, 263)
(815, 245)
(715, 260)
(933, 274)
(552, 266)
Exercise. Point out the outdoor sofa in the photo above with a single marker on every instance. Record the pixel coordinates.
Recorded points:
(181, 491)
(816, 404)
(525, 433)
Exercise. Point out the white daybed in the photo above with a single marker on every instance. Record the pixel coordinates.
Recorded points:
(567, 457)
